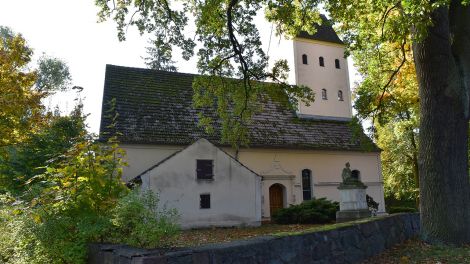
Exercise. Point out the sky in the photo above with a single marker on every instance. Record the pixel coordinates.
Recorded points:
(68, 29)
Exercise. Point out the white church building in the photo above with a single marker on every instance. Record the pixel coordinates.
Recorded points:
(292, 156)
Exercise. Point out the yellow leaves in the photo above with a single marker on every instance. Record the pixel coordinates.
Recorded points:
(17, 211)
(37, 218)
(20, 103)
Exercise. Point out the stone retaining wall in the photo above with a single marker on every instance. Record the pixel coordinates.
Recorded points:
(348, 244)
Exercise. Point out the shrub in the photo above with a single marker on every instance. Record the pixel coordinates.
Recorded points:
(315, 211)
(138, 221)
(401, 209)
(393, 205)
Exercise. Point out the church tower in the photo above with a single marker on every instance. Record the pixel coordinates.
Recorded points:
(320, 64)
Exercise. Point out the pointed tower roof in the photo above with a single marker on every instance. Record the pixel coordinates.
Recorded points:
(325, 32)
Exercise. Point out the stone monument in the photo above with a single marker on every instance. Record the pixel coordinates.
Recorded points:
(353, 204)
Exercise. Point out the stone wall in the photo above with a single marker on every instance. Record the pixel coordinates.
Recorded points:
(346, 244)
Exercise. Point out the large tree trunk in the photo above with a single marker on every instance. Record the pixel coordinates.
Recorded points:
(442, 66)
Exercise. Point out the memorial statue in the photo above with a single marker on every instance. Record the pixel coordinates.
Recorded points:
(350, 177)
(346, 172)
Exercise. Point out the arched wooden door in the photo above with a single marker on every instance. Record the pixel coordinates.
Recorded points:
(276, 198)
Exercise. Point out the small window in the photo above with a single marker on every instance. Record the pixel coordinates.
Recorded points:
(205, 201)
(304, 59)
(340, 95)
(307, 184)
(337, 64)
(324, 96)
(321, 61)
(205, 169)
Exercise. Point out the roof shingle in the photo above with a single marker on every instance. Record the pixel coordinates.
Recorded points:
(324, 33)
(155, 107)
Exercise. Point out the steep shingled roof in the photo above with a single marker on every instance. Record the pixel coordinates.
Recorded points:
(155, 107)
(324, 33)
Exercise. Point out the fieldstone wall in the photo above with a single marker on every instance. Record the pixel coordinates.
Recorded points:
(349, 244)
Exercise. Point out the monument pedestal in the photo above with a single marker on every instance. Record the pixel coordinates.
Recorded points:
(353, 204)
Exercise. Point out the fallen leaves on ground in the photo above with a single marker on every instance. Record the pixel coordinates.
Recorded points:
(196, 237)
(417, 251)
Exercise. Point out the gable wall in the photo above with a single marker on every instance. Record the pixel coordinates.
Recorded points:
(235, 191)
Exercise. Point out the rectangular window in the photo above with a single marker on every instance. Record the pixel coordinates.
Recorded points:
(205, 169)
(205, 201)
(307, 184)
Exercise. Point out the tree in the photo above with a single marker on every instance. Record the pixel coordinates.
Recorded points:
(437, 30)
(388, 97)
(45, 147)
(22, 89)
(19, 103)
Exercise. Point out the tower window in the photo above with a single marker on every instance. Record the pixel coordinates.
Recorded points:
(205, 201)
(205, 169)
(324, 96)
(340, 95)
(337, 64)
(321, 61)
(304, 59)
(307, 184)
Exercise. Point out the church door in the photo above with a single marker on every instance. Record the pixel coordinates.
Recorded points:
(276, 197)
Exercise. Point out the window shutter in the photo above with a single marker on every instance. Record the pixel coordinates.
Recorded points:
(205, 169)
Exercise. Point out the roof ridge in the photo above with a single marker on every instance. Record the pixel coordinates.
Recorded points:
(152, 70)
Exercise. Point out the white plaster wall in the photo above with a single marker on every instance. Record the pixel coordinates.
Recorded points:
(235, 191)
(141, 157)
(276, 164)
(328, 77)
(326, 167)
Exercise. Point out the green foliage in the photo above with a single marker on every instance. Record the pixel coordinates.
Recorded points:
(315, 211)
(392, 204)
(59, 188)
(29, 158)
(399, 209)
(22, 89)
(399, 158)
(78, 199)
(379, 38)
(231, 48)
(53, 75)
(138, 221)
(20, 103)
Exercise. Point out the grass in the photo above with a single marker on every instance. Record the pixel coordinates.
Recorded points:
(416, 251)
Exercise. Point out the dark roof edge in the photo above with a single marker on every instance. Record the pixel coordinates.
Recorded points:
(323, 118)
(290, 147)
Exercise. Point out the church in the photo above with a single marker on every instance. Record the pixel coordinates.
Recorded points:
(293, 156)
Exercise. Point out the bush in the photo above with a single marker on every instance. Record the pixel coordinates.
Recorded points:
(393, 205)
(401, 209)
(138, 221)
(315, 211)
(62, 235)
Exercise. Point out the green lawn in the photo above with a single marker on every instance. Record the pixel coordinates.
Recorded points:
(416, 251)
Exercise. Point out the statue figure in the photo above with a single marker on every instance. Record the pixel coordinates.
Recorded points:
(346, 175)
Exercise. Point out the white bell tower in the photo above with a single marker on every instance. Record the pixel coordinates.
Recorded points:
(320, 64)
